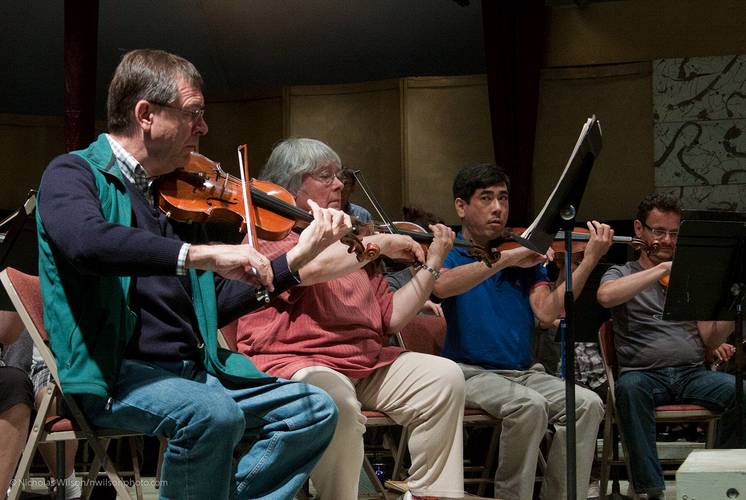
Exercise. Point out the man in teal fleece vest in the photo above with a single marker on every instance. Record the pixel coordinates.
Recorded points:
(132, 310)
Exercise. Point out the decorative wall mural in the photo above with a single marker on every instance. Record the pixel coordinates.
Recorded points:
(699, 114)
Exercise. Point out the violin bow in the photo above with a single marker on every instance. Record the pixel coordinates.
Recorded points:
(262, 295)
(374, 202)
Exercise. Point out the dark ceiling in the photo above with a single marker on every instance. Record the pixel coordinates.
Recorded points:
(238, 44)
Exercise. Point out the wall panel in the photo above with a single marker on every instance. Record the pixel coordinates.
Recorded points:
(643, 30)
(447, 125)
(621, 97)
(361, 122)
(255, 121)
(28, 143)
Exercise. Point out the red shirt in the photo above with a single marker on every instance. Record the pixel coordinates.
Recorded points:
(339, 324)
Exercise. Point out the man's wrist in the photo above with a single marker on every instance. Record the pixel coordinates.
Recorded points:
(430, 269)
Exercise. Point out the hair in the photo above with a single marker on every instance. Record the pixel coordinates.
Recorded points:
(478, 176)
(420, 216)
(292, 158)
(661, 201)
(145, 74)
(347, 176)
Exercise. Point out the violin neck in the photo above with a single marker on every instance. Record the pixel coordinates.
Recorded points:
(269, 202)
(586, 236)
(428, 238)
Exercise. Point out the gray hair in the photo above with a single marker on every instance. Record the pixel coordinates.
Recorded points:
(292, 158)
(145, 74)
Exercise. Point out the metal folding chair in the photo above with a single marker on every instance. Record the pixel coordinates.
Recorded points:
(664, 414)
(25, 294)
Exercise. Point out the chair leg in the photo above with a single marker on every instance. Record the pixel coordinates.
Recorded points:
(489, 460)
(93, 471)
(99, 449)
(25, 463)
(606, 453)
(711, 433)
(400, 451)
(161, 451)
(135, 467)
(625, 452)
(32, 443)
(371, 473)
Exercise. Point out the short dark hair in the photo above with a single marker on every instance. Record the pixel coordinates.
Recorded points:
(478, 176)
(420, 216)
(661, 201)
(145, 74)
(347, 176)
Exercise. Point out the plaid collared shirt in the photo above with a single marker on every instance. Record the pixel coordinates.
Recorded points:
(136, 174)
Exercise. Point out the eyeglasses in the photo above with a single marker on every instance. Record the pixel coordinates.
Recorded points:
(194, 114)
(326, 175)
(660, 233)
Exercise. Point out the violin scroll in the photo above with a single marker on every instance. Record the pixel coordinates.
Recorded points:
(651, 248)
(488, 257)
(644, 246)
(371, 251)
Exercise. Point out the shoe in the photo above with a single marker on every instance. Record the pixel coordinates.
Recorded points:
(594, 492)
(658, 495)
(409, 496)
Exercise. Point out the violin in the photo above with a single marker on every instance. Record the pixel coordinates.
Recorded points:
(203, 192)
(424, 237)
(650, 248)
(580, 236)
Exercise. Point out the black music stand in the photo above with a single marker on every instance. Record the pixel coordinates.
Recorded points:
(559, 214)
(18, 246)
(708, 281)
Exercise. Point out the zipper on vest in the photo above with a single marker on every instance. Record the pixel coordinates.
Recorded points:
(109, 401)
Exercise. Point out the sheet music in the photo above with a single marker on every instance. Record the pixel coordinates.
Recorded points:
(568, 190)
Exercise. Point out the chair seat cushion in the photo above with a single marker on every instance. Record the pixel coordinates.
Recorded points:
(59, 424)
(680, 408)
(374, 414)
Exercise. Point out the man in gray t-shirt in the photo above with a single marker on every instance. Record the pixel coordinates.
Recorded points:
(643, 340)
(661, 362)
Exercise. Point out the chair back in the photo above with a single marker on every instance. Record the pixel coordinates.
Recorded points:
(425, 334)
(608, 353)
(24, 292)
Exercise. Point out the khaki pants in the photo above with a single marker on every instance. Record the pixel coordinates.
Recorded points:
(421, 392)
(527, 401)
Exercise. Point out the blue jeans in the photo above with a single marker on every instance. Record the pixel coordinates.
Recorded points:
(287, 425)
(639, 392)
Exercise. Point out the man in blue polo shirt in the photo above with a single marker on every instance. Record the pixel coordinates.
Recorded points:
(491, 314)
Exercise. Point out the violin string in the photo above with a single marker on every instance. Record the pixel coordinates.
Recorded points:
(269, 201)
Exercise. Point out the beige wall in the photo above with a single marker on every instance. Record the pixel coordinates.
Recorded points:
(408, 136)
(446, 125)
(254, 120)
(642, 30)
(621, 98)
(28, 144)
(361, 122)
